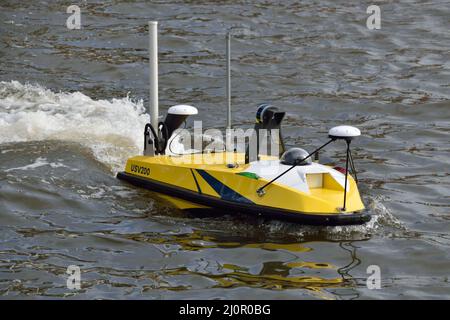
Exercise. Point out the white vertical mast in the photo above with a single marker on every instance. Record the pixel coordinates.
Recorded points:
(153, 64)
(228, 87)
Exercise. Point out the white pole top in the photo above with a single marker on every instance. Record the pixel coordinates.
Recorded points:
(153, 74)
(228, 83)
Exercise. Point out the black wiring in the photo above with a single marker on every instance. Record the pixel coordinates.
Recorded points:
(352, 166)
(160, 143)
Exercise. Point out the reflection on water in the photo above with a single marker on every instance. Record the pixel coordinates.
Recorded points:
(294, 273)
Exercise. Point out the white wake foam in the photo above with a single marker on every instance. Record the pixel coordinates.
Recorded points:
(40, 162)
(111, 129)
(382, 221)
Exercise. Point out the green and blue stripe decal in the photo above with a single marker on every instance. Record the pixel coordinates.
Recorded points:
(226, 193)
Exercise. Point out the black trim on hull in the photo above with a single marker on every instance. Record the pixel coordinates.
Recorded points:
(269, 212)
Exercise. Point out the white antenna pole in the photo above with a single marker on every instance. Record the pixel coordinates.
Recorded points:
(228, 87)
(153, 63)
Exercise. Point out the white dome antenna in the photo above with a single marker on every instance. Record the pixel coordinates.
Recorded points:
(176, 115)
(344, 132)
(183, 110)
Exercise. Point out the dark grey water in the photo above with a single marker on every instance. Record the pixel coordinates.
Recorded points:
(71, 112)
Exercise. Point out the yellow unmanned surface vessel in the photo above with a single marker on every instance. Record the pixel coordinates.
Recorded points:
(287, 185)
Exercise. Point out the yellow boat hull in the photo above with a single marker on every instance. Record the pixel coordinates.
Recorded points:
(205, 181)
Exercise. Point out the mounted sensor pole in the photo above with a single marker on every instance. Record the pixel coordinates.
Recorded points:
(347, 133)
(153, 64)
(348, 140)
(228, 86)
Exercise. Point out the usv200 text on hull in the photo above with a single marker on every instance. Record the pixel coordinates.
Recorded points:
(288, 185)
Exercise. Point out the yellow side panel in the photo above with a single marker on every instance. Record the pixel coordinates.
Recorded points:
(317, 201)
(156, 168)
(177, 176)
(330, 183)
